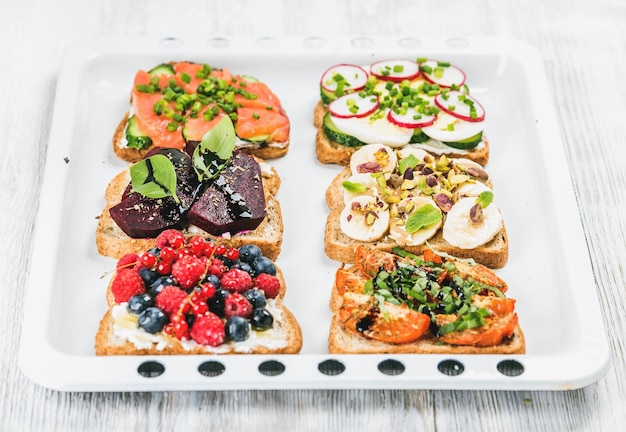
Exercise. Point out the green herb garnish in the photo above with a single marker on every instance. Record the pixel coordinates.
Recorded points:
(154, 177)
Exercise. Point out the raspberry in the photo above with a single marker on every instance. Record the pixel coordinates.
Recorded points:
(126, 284)
(237, 305)
(188, 270)
(236, 280)
(170, 298)
(127, 261)
(269, 284)
(170, 237)
(208, 329)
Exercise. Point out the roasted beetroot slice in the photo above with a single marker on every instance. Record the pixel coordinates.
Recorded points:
(234, 202)
(142, 217)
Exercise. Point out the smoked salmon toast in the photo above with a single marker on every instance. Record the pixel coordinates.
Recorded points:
(174, 105)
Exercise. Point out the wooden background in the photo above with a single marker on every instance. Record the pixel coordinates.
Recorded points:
(583, 45)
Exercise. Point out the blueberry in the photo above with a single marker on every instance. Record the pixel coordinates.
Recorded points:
(255, 297)
(216, 303)
(248, 253)
(161, 282)
(140, 302)
(261, 319)
(152, 320)
(263, 265)
(237, 328)
(243, 266)
(148, 275)
(214, 279)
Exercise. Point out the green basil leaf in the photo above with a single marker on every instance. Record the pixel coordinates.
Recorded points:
(215, 149)
(354, 187)
(422, 217)
(485, 198)
(154, 177)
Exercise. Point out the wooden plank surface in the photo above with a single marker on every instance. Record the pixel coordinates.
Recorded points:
(583, 47)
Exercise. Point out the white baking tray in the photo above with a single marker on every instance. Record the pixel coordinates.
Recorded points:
(548, 272)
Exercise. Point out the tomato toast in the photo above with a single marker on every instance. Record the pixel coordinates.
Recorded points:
(427, 304)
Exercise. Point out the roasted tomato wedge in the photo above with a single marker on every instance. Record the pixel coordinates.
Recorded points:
(492, 333)
(397, 324)
(480, 274)
(349, 281)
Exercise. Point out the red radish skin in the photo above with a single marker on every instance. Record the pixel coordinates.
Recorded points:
(346, 70)
(407, 120)
(464, 113)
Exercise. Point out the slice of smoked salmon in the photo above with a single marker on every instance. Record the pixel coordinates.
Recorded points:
(196, 128)
(155, 126)
(260, 122)
(260, 96)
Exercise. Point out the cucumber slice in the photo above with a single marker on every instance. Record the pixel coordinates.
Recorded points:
(466, 144)
(418, 136)
(162, 69)
(327, 96)
(335, 135)
(259, 138)
(135, 137)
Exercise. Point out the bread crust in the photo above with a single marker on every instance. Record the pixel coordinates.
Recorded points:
(342, 341)
(330, 152)
(108, 343)
(111, 241)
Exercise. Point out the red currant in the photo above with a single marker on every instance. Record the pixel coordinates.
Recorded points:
(148, 259)
(169, 328)
(220, 249)
(182, 252)
(177, 241)
(232, 254)
(209, 248)
(181, 329)
(199, 308)
(168, 253)
(164, 267)
(207, 290)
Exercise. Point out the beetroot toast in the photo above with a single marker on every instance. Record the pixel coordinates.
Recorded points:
(427, 304)
(197, 297)
(205, 214)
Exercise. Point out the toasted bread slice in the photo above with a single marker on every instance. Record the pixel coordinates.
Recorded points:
(285, 337)
(340, 247)
(330, 152)
(113, 242)
(342, 341)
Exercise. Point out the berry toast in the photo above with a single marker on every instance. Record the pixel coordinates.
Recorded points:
(174, 105)
(427, 304)
(196, 296)
(421, 103)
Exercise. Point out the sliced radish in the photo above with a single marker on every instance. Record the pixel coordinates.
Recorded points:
(395, 70)
(353, 105)
(411, 119)
(353, 77)
(442, 73)
(460, 105)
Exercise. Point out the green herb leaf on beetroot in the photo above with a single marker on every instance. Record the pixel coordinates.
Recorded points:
(154, 177)
(215, 149)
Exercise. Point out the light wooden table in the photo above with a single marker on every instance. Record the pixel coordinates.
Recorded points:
(583, 47)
